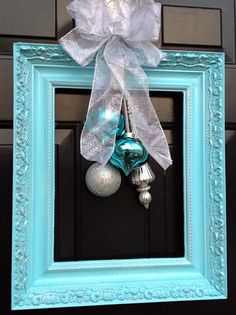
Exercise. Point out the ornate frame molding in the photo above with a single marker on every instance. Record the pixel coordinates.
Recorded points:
(38, 281)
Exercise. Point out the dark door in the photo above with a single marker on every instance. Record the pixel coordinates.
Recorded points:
(82, 233)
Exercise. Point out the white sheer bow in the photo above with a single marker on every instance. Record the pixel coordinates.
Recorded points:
(121, 40)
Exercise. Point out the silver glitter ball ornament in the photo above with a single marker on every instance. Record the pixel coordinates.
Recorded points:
(102, 181)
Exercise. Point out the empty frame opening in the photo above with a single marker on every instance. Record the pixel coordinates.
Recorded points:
(117, 227)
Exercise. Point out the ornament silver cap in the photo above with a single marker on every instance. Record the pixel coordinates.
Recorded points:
(129, 135)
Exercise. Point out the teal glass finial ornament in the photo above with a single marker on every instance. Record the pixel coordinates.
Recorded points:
(128, 153)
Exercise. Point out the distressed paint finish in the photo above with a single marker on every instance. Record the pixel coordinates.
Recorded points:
(38, 281)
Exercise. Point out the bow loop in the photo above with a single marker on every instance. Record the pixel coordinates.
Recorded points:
(147, 53)
(82, 48)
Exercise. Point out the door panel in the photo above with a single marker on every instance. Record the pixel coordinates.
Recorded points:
(228, 24)
(40, 21)
(6, 88)
(32, 21)
(65, 201)
(117, 226)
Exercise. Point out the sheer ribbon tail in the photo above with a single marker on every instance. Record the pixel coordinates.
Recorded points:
(134, 84)
(99, 132)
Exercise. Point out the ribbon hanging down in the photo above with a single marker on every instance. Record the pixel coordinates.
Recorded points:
(119, 33)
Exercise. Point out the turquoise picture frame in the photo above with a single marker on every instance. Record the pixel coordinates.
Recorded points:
(201, 274)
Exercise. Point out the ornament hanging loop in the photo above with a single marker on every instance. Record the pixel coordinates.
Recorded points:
(126, 115)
